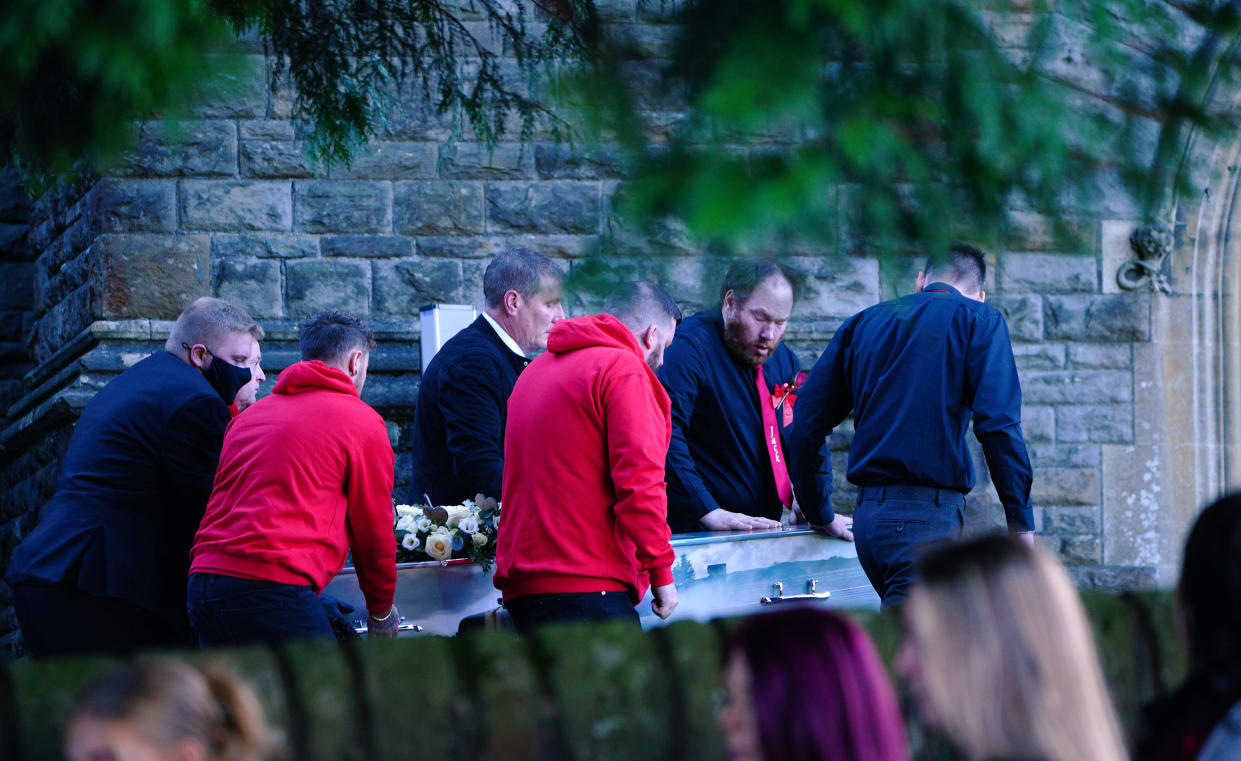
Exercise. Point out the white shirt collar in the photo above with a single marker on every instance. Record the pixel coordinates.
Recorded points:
(504, 336)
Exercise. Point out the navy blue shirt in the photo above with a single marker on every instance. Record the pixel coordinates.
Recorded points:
(914, 371)
(717, 457)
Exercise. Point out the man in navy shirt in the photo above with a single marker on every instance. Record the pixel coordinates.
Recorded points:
(914, 371)
(725, 374)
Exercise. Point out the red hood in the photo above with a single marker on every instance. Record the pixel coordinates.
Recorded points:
(313, 376)
(592, 330)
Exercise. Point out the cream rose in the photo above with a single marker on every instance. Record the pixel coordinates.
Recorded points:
(480, 539)
(439, 546)
(456, 514)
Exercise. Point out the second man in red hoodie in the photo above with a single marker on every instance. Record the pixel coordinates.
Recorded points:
(585, 502)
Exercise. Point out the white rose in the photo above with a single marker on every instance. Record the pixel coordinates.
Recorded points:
(469, 524)
(439, 546)
(423, 524)
(411, 510)
(404, 523)
(410, 542)
(480, 539)
(457, 513)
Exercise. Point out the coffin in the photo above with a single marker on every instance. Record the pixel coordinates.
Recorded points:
(718, 574)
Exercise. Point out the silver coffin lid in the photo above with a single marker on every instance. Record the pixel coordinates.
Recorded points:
(718, 574)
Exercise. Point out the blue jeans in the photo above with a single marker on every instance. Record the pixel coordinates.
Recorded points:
(225, 610)
(530, 611)
(890, 526)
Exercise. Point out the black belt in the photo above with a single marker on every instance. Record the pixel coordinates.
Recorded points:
(920, 493)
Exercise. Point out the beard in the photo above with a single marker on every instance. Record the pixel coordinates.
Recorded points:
(740, 349)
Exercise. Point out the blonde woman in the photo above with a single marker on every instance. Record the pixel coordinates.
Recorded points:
(165, 710)
(1000, 658)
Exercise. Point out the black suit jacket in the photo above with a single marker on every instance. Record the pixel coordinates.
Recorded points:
(459, 420)
(133, 487)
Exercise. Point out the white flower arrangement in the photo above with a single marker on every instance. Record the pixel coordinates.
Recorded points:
(467, 530)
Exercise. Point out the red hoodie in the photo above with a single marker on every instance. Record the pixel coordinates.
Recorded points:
(585, 502)
(304, 476)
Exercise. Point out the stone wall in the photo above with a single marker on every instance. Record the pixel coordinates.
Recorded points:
(572, 693)
(225, 203)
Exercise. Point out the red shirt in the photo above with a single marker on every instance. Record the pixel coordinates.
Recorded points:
(304, 476)
(585, 501)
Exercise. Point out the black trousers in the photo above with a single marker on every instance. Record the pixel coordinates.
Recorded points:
(530, 611)
(63, 620)
(893, 523)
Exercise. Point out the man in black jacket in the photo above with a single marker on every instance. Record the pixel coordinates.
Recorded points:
(105, 569)
(463, 397)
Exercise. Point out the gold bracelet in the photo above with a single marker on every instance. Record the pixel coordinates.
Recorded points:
(387, 615)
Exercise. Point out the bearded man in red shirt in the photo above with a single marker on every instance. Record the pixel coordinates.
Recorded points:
(585, 529)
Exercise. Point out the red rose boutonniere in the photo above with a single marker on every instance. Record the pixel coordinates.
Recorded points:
(784, 395)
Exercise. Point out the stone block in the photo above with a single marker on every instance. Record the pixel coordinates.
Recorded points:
(1096, 423)
(362, 246)
(18, 291)
(835, 287)
(1081, 549)
(402, 286)
(1039, 356)
(1112, 577)
(253, 284)
(273, 160)
(1136, 512)
(1029, 231)
(327, 284)
(390, 161)
(1024, 315)
(1118, 317)
(1101, 356)
(1076, 386)
(148, 276)
(239, 91)
(184, 149)
(1115, 250)
(265, 246)
(1072, 520)
(343, 206)
(476, 161)
(236, 205)
(560, 161)
(265, 129)
(1048, 273)
(437, 208)
(62, 322)
(545, 207)
(1065, 486)
(1038, 424)
(1064, 456)
(134, 206)
(460, 247)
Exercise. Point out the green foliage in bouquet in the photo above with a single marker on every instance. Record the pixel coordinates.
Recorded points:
(460, 531)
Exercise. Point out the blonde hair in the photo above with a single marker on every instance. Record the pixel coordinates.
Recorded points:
(1009, 666)
(208, 321)
(166, 701)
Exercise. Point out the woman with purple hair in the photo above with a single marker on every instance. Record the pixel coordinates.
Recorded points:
(804, 685)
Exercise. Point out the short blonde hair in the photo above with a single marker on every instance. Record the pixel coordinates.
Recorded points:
(1008, 662)
(208, 321)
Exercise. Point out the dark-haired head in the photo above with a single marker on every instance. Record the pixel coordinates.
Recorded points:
(1210, 588)
(817, 689)
(650, 312)
(962, 266)
(330, 335)
(746, 274)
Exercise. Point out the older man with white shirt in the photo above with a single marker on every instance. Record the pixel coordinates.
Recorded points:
(463, 398)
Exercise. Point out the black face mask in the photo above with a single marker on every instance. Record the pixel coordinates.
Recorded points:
(227, 379)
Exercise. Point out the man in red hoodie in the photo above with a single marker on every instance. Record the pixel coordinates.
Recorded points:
(305, 474)
(585, 527)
